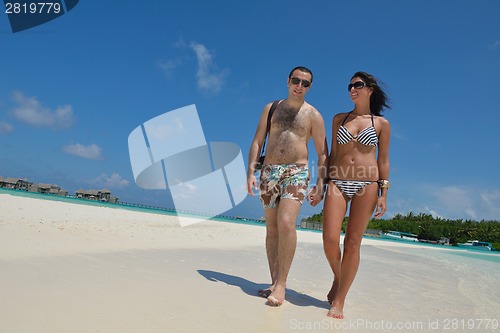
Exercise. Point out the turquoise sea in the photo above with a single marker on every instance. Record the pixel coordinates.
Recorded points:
(493, 256)
(454, 251)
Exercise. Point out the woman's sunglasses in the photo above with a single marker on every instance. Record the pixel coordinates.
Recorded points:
(296, 80)
(357, 85)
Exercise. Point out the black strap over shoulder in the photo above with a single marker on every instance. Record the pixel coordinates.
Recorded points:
(269, 116)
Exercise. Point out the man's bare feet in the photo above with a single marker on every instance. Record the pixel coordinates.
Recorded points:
(273, 301)
(265, 293)
(277, 297)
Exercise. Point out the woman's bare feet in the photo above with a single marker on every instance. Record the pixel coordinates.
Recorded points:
(333, 292)
(337, 311)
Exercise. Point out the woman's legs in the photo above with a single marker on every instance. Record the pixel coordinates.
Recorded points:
(362, 207)
(333, 214)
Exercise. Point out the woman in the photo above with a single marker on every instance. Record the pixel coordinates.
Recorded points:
(358, 175)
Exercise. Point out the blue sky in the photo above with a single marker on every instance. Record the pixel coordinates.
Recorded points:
(73, 89)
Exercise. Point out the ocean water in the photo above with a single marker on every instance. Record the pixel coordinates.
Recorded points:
(493, 256)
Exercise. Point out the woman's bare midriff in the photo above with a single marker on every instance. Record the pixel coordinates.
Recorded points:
(353, 164)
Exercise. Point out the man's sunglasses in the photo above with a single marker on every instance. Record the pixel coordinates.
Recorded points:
(296, 80)
(357, 85)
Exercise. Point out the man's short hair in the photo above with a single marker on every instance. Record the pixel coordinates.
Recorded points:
(302, 69)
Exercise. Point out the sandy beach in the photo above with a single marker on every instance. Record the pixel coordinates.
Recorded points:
(67, 267)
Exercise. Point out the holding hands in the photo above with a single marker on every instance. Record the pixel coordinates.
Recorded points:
(315, 195)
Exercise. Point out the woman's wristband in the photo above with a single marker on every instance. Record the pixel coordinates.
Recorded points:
(384, 183)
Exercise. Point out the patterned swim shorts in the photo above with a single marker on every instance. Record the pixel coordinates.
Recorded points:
(283, 181)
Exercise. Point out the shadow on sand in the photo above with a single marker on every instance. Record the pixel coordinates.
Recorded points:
(250, 288)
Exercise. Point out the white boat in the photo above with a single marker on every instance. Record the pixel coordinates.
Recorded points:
(400, 235)
(477, 245)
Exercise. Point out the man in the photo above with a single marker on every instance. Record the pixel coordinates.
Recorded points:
(285, 175)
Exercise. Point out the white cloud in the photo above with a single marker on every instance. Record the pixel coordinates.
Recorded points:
(5, 127)
(113, 181)
(455, 199)
(495, 45)
(162, 131)
(185, 190)
(92, 152)
(32, 112)
(464, 202)
(208, 79)
(180, 43)
(453, 196)
(433, 213)
(490, 200)
(169, 66)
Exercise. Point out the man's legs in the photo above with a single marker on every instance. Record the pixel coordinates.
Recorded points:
(287, 212)
(271, 215)
(289, 186)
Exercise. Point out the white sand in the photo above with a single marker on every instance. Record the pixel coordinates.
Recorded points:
(76, 268)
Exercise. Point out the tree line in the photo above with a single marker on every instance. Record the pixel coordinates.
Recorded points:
(433, 228)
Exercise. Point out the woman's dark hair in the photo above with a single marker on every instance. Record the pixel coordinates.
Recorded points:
(302, 69)
(378, 99)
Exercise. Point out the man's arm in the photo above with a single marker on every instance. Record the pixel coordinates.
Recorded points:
(321, 145)
(255, 147)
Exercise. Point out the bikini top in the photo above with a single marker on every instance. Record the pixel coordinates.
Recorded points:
(367, 136)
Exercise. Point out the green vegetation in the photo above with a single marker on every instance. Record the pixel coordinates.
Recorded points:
(431, 228)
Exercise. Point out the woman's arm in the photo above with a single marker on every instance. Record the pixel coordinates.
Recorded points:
(383, 164)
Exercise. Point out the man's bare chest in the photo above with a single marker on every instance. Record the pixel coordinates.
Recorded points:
(289, 121)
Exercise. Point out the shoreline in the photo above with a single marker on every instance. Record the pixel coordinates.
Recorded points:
(127, 206)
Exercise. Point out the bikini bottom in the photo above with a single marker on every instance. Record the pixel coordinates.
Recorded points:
(350, 187)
